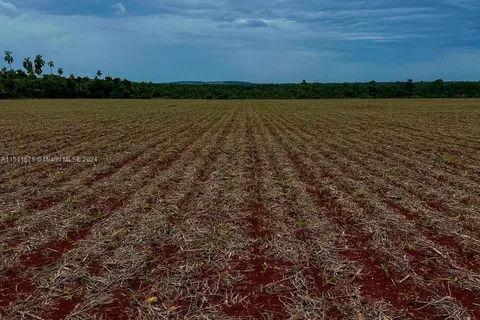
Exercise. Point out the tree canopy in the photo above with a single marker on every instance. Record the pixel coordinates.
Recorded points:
(32, 83)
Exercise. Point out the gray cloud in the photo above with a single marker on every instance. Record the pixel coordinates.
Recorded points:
(252, 23)
(119, 9)
(257, 40)
(7, 7)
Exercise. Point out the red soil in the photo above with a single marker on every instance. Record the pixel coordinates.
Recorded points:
(162, 165)
(254, 214)
(256, 211)
(108, 205)
(122, 305)
(13, 285)
(54, 250)
(214, 153)
(470, 300)
(51, 253)
(398, 208)
(99, 176)
(59, 308)
(464, 254)
(6, 225)
(466, 257)
(304, 235)
(429, 269)
(321, 285)
(115, 168)
(436, 205)
(166, 253)
(41, 203)
(129, 295)
(377, 285)
(257, 274)
(94, 267)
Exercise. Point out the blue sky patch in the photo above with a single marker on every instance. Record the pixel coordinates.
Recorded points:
(250, 40)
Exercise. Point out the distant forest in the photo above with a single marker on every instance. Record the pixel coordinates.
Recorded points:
(33, 83)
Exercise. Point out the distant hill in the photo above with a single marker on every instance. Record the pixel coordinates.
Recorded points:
(242, 83)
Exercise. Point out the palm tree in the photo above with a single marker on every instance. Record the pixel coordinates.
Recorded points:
(60, 71)
(39, 64)
(9, 58)
(51, 65)
(28, 65)
(99, 73)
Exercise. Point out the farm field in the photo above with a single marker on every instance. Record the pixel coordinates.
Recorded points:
(243, 209)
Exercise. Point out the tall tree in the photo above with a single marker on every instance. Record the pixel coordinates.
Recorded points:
(372, 89)
(99, 74)
(409, 87)
(51, 65)
(21, 74)
(60, 71)
(28, 65)
(9, 58)
(39, 64)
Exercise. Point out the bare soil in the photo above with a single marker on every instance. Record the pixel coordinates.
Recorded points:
(348, 209)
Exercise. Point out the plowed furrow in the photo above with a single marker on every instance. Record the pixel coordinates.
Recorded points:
(373, 177)
(69, 190)
(71, 243)
(325, 196)
(335, 209)
(76, 147)
(89, 203)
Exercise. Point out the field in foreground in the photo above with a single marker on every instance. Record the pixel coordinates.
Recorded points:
(241, 209)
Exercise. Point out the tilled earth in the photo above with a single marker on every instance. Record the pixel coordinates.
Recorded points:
(349, 209)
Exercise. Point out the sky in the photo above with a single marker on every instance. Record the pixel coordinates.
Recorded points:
(272, 41)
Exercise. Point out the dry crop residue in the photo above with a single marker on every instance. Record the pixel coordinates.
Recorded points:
(349, 209)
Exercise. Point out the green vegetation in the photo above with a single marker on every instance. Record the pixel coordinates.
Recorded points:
(32, 83)
(133, 296)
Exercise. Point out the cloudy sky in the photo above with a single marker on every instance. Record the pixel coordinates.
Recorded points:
(249, 40)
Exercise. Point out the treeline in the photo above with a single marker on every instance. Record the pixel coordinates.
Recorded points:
(32, 83)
